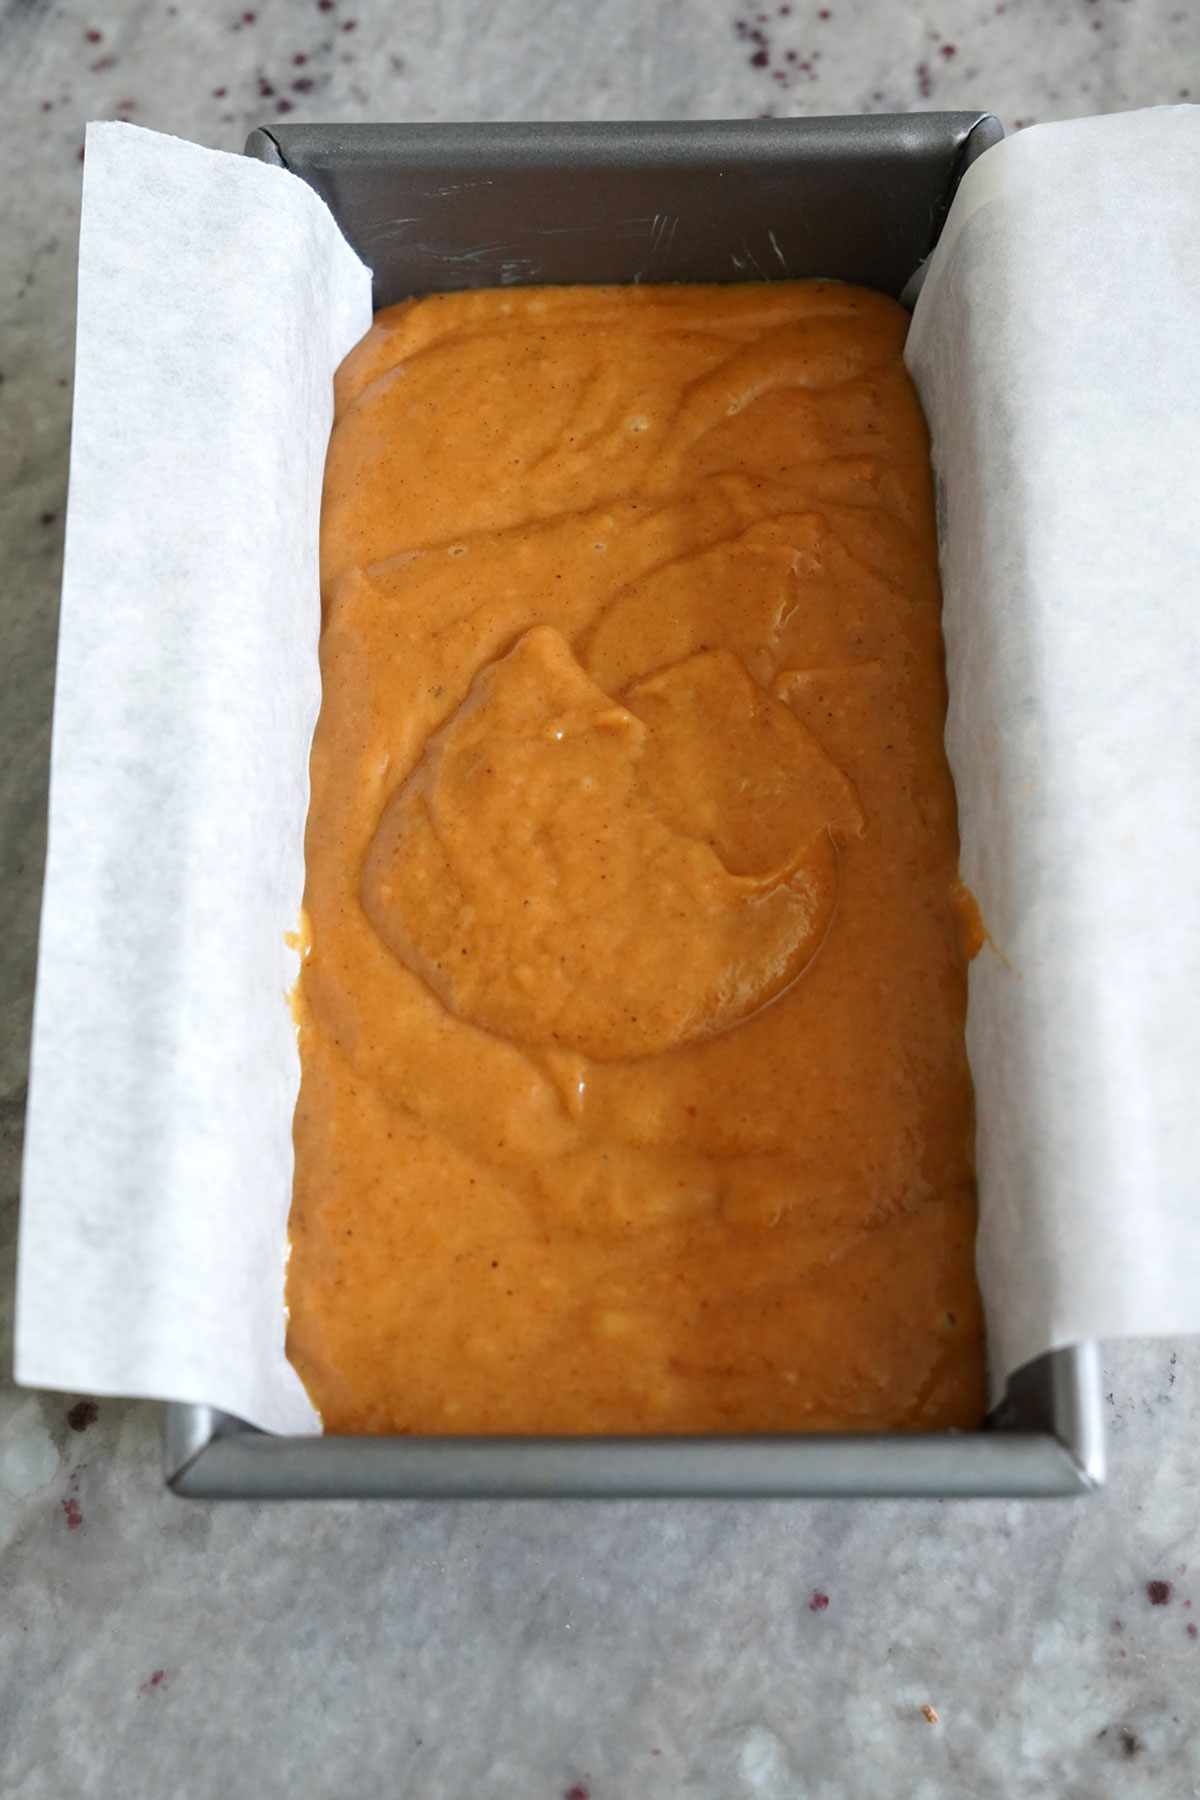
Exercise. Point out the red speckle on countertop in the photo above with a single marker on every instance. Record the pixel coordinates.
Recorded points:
(94, 37)
(948, 50)
(578, 1792)
(1158, 1593)
(157, 1680)
(84, 1412)
(1192, 1630)
(70, 1505)
(924, 83)
(219, 93)
(819, 1601)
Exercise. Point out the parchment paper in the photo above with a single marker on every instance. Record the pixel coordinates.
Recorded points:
(1057, 348)
(216, 298)
(1056, 345)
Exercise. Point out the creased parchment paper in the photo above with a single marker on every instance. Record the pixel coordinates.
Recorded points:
(1056, 345)
(216, 299)
(1057, 348)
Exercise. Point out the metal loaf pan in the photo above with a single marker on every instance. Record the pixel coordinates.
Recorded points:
(431, 207)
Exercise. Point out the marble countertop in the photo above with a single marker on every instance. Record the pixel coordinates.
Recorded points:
(633, 1651)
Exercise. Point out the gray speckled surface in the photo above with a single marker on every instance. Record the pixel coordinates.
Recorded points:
(153, 1648)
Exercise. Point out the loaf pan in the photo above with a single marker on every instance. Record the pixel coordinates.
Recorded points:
(432, 207)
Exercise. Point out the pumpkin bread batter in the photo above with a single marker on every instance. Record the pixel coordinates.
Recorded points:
(634, 1094)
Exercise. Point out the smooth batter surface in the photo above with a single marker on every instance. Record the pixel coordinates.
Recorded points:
(634, 1091)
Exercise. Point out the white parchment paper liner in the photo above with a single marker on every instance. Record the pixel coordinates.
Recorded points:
(216, 298)
(1056, 345)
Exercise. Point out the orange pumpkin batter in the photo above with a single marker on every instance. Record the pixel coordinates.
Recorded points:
(634, 1092)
